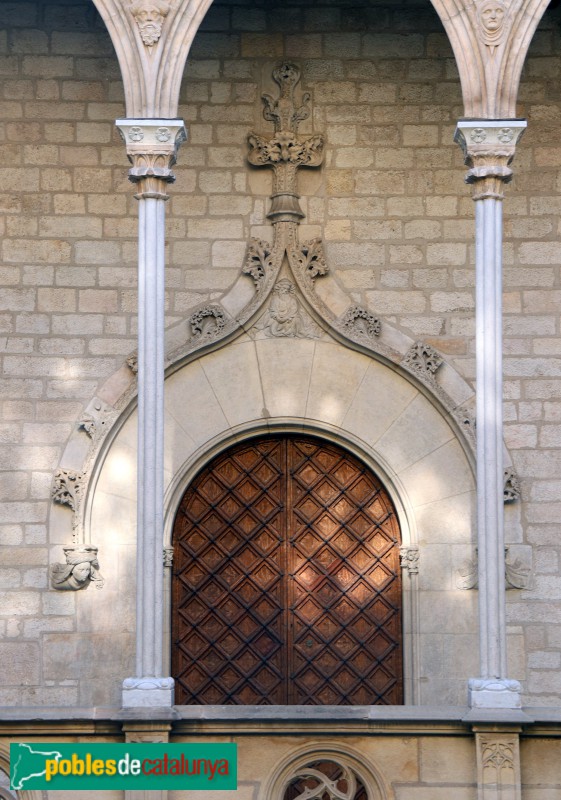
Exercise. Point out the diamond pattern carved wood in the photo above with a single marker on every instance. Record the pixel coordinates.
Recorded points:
(286, 587)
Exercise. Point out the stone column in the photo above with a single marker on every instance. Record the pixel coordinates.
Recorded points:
(151, 148)
(489, 147)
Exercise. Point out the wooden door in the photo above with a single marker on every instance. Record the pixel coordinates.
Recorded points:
(286, 587)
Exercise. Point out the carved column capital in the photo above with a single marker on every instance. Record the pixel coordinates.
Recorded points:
(409, 558)
(152, 146)
(489, 146)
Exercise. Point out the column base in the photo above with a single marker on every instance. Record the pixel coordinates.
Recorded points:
(148, 692)
(494, 693)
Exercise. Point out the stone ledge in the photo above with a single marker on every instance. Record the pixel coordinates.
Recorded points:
(275, 713)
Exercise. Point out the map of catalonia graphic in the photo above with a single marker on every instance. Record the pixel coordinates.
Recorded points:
(29, 763)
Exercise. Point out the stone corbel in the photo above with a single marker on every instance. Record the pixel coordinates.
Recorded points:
(489, 147)
(81, 569)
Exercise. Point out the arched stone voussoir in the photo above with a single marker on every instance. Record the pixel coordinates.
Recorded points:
(490, 40)
(152, 39)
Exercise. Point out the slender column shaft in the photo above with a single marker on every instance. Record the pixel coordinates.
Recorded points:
(489, 147)
(151, 222)
(151, 147)
(490, 511)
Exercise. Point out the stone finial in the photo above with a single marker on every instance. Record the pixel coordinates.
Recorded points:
(283, 112)
(285, 153)
(81, 569)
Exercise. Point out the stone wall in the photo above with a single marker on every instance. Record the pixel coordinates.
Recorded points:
(389, 202)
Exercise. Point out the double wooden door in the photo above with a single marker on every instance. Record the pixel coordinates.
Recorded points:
(286, 586)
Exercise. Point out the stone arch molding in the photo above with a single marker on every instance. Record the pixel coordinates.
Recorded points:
(356, 765)
(490, 39)
(256, 383)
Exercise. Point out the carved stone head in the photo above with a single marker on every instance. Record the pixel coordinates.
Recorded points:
(81, 568)
(150, 16)
(491, 17)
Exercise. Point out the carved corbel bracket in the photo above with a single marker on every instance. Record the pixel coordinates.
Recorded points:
(81, 569)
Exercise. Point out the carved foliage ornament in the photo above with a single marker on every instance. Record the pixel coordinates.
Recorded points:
(207, 322)
(284, 115)
(67, 488)
(311, 259)
(258, 260)
(150, 16)
(360, 324)
(511, 488)
(423, 359)
(81, 569)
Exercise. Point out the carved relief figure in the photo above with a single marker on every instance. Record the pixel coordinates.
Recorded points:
(150, 16)
(491, 17)
(81, 569)
(284, 316)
